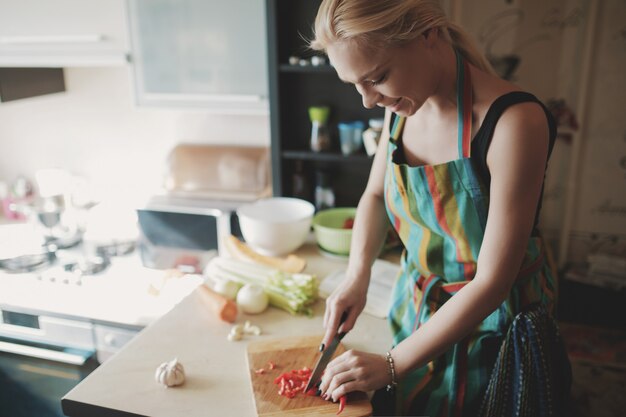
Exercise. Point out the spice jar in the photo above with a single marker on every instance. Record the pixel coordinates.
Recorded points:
(371, 136)
(320, 136)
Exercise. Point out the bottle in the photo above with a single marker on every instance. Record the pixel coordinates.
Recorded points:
(300, 185)
(324, 194)
(372, 135)
(320, 136)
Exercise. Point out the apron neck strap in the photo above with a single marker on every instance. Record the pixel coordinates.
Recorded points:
(464, 106)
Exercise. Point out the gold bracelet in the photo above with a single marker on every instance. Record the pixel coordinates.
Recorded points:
(392, 371)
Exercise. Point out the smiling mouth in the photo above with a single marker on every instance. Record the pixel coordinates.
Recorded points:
(391, 105)
(395, 103)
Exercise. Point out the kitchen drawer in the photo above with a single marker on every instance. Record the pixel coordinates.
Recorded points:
(110, 339)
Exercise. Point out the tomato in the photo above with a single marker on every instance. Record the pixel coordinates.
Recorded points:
(348, 223)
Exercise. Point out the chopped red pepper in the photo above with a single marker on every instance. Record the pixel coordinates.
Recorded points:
(291, 383)
(342, 403)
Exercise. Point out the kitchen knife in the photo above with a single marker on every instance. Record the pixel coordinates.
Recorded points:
(325, 357)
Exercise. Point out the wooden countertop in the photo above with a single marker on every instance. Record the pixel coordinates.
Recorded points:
(217, 379)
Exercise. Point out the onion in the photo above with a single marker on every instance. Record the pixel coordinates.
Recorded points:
(226, 287)
(252, 299)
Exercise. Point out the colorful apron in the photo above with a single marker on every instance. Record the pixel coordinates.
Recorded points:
(440, 213)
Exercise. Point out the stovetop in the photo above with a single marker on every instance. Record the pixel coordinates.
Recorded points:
(105, 282)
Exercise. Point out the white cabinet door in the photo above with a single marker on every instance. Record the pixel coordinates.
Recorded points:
(200, 53)
(62, 33)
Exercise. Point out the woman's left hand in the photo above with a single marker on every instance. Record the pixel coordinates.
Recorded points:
(354, 371)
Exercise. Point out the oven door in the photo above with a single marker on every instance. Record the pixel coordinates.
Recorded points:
(41, 359)
(34, 376)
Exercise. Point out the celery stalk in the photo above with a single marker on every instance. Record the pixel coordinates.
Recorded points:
(294, 293)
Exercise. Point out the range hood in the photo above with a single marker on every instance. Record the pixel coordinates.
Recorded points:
(57, 51)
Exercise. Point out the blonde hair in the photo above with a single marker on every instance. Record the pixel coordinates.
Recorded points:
(385, 22)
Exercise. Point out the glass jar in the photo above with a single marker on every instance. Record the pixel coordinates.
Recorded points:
(371, 136)
(320, 136)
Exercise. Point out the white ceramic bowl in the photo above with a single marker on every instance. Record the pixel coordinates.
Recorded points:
(276, 225)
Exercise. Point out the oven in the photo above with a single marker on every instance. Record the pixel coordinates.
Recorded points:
(41, 359)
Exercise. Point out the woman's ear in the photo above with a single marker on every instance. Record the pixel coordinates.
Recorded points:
(431, 36)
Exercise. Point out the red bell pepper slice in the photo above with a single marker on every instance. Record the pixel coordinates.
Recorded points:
(342, 404)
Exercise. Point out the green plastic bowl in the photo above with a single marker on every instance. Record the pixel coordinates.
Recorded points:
(328, 226)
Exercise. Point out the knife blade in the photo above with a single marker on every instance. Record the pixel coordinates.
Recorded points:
(323, 360)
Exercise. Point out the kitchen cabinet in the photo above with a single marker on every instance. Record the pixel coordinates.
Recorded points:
(295, 88)
(198, 53)
(18, 83)
(63, 33)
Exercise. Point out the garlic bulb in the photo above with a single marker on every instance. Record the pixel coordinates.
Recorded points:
(170, 373)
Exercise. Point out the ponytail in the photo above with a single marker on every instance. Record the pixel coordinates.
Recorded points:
(464, 43)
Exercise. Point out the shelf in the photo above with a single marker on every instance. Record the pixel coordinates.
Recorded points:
(295, 88)
(308, 69)
(327, 156)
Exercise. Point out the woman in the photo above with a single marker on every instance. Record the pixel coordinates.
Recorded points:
(459, 172)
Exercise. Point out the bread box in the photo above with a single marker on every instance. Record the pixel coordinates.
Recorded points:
(218, 172)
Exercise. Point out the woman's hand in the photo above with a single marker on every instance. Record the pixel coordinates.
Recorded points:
(354, 371)
(346, 302)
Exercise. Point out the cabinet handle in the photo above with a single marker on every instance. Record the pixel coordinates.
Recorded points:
(251, 98)
(52, 39)
(41, 353)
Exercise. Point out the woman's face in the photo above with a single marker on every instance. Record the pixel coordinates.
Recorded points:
(399, 78)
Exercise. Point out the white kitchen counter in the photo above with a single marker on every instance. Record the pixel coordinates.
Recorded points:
(126, 293)
(216, 370)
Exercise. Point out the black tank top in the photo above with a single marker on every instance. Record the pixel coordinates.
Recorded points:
(482, 140)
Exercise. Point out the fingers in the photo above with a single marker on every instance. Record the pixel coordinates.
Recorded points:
(340, 378)
(331, 325)
(349, 321)
(344, 389)
(353, 371)
(337, 373)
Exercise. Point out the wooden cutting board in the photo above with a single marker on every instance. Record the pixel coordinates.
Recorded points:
(288, 354)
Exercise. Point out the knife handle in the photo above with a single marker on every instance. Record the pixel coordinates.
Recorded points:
(341, 335)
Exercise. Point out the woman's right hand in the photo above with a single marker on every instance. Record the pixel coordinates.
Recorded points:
(349, 299)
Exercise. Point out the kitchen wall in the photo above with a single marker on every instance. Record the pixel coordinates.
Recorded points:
(94, 129)
(573, 52)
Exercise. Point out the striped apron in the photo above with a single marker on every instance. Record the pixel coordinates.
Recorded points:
(440, 214)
